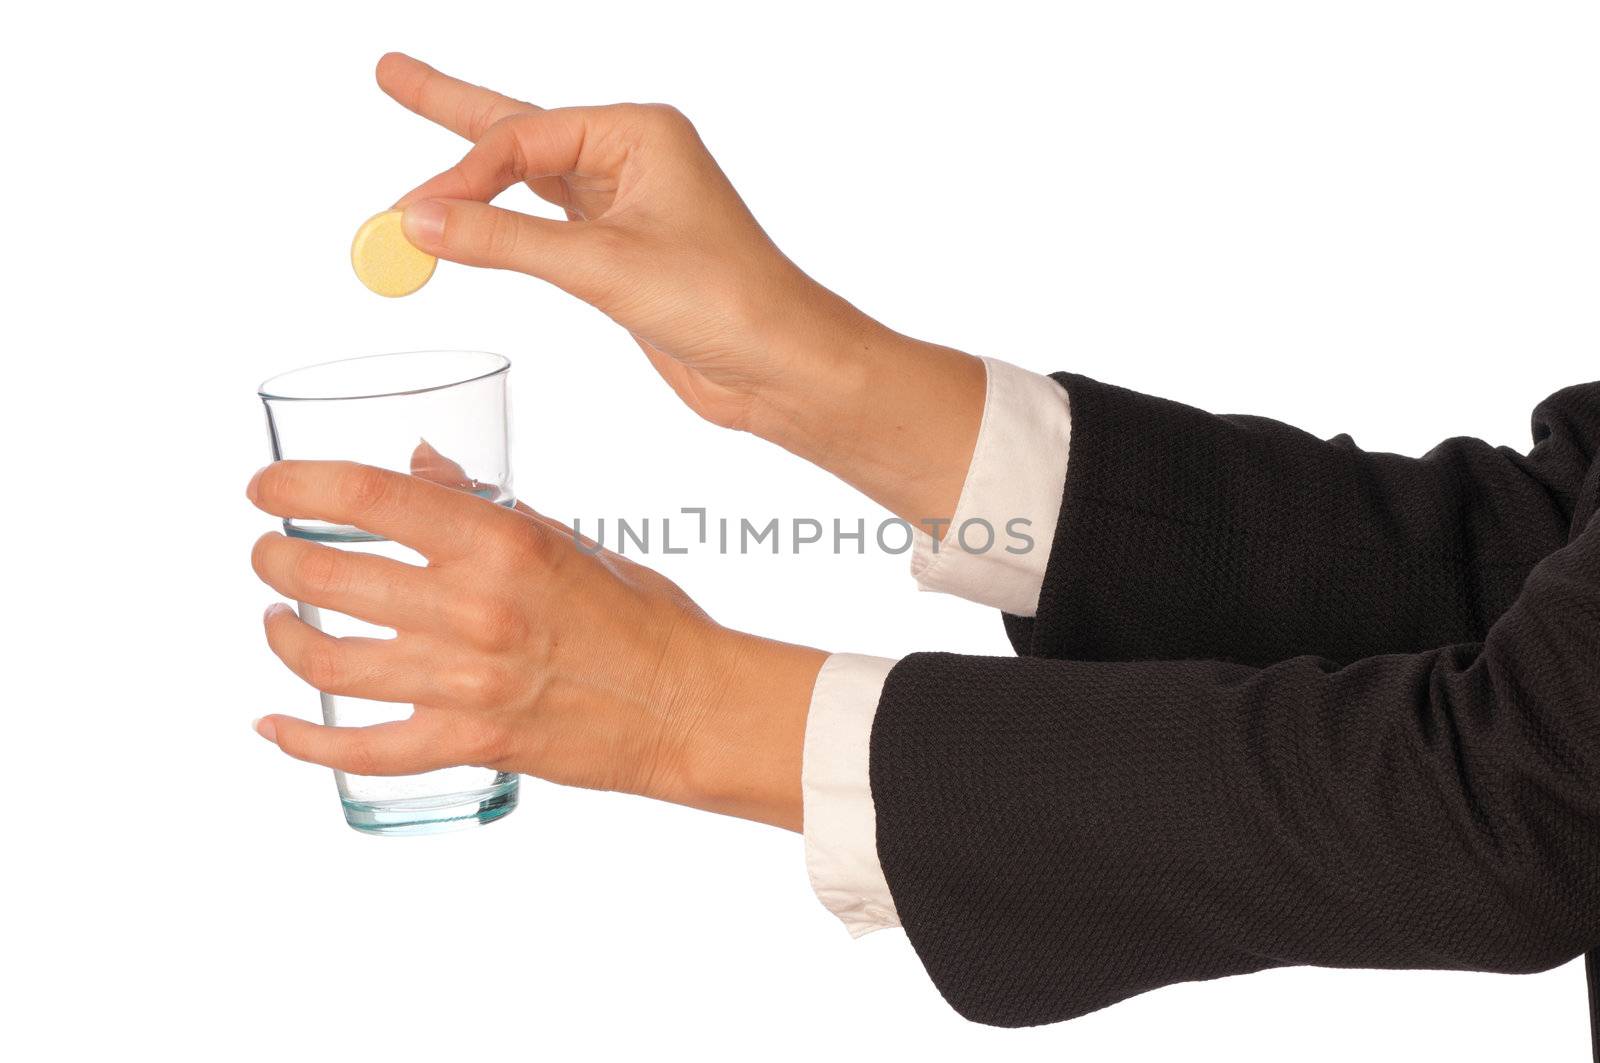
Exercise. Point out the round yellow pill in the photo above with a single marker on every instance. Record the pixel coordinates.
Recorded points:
(385, 260)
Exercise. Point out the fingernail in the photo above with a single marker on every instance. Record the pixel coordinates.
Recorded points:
(250, 488)
(266, 729)
(273, 610)
(423, 222)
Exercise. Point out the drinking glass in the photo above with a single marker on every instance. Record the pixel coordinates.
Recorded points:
(410, 412)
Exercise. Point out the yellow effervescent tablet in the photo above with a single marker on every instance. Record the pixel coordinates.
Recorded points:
(385, 260)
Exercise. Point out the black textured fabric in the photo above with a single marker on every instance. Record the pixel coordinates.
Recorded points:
(1284, 702)
(1592, 966)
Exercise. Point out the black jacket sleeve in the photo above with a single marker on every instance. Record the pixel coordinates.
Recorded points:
(1059, 835)
(1188, 535)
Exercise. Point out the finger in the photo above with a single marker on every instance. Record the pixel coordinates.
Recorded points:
(447, 216)
(376, 669)
(405, 747)
(522, 147)
(437, 522)
(465, 109)
(468, 110)
(376, 589)
(429, 464)
(568, 254)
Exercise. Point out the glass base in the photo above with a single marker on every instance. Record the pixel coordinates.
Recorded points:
(433, 815)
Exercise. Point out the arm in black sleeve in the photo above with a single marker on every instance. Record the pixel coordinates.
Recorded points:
(1189, 535)
(1061, 835)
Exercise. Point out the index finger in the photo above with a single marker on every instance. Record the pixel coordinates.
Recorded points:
(533, 146)
(462, 108)
(438, 522)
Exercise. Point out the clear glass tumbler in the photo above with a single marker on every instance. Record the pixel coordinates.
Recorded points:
(415, 412)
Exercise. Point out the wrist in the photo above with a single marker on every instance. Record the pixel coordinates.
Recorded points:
(821, 350)
(895, 417)
(743, 754)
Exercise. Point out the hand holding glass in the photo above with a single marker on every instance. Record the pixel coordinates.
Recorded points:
(440, 415)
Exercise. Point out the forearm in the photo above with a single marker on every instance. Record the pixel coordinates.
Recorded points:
(894, 417)
(1059, 835)
(1329, 550)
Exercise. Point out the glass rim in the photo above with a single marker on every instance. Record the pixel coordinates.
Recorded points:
(502, 364)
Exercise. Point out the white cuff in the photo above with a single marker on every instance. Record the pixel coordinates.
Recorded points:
(997, 544)
(841, 826)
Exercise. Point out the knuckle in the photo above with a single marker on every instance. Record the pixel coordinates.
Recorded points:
(503, 236)
(321, 666)
(522, 122)
(482, 116)
(665, 116)
(499, 141)
(495, 623)
(513, 134)
(482, 687)
(319, 569)
(515, 543)
(629, 113)
(362, 488)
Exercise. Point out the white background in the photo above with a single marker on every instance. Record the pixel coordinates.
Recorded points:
(1369, 217)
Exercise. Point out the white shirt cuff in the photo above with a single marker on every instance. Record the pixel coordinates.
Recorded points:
(841, 825)
(997, 544)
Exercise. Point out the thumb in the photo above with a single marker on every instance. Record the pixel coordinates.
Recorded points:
(429, 464)
(569, 254)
